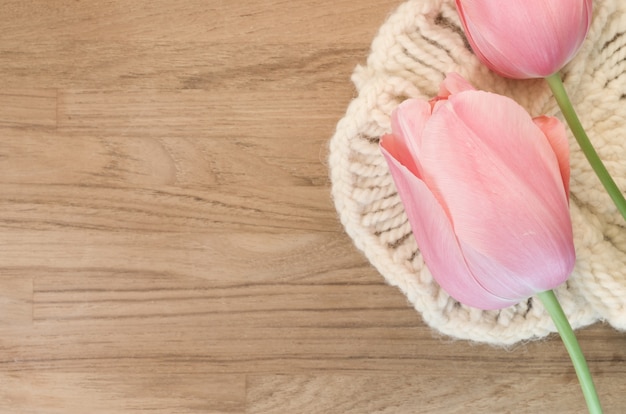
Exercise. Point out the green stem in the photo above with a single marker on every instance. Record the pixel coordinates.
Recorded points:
(585, 144)
(551, 303)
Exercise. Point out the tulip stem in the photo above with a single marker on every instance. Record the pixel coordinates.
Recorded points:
(552, 305)
(585, 144)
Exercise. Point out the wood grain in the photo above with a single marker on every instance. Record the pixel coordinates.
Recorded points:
(418, 393)
(169, 244)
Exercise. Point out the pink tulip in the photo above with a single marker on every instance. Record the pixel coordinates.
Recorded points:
(485, 189)
(524, 39)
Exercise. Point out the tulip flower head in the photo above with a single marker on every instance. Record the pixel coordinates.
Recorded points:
(485, 188)
(524, 39)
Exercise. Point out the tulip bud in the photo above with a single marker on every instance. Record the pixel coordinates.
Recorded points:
(525, 39)
(485, 189)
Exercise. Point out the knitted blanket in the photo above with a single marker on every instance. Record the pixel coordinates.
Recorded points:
(414, 49)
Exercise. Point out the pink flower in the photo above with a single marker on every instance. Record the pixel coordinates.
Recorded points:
(525, 39)
(485, 188)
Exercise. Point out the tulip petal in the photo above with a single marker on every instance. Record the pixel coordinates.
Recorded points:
(453, 84)
(407, 122)
(503, 190)
(554, 130)
(437, 241)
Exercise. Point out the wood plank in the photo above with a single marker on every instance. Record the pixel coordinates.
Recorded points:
(156, 390)
(200, 113)
(209, 64)
(305, 344)
(248, 256)
(283, 324)
(109, 296)
(432, 393)
(159, 212)
(40, 157)
(259, 21)
(141, 46)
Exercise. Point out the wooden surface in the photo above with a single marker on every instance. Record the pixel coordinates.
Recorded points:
(169, 244)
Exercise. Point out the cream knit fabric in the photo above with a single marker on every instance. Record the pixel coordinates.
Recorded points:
(421, 42)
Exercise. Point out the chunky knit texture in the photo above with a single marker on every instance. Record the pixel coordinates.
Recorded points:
(421, 42)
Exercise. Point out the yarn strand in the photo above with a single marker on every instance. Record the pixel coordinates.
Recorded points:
(560, 94)
(552, 305)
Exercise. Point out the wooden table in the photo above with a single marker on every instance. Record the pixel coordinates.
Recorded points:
(169, 244)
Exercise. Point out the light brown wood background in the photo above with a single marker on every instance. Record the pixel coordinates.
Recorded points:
(168, 242)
